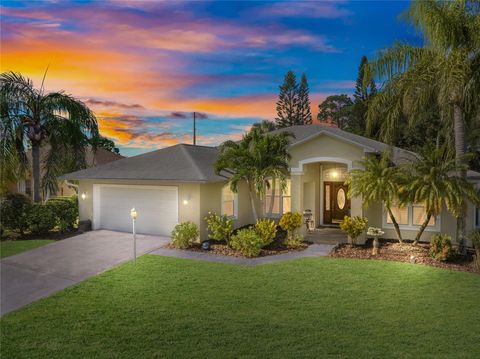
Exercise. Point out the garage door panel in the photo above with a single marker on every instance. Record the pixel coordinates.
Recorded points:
(157, 208)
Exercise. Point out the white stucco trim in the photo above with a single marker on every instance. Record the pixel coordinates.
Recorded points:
(301, 163)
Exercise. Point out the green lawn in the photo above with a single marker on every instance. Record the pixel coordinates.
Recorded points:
(312, 307)
(10, 248)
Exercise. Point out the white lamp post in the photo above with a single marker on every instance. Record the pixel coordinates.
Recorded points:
(133, 214)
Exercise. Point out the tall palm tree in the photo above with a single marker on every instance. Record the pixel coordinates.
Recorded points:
(255, 159)
(31, 119)
(265, 126)
(446, 69)
(432, 179)
(378, 181)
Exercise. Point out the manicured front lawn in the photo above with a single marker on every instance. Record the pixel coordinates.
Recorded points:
(10, 248)
(312, 307)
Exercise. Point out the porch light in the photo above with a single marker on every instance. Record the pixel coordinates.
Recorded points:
(334, 174)
(186, 200)
(84, 195)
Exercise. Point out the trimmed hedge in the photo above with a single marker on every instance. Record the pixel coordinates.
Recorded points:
(65, 210)
(14, 210)
(41, 219)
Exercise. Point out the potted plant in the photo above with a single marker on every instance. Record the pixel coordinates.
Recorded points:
(353, 227)
(375, 233)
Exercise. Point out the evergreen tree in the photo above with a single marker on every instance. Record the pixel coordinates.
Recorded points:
(287, 103)
(304, 114)
(362, 95)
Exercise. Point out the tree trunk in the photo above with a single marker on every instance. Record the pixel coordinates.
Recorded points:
(36, 171)
(272, 200)
(422, 228)
(395, 225)
(252, 203)
(460, 148)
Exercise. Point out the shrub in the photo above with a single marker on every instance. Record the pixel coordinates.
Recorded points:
(14, 210)
(247, 242)
(266, 229)
(441, 247)
(353, 227)
(475, 238)
(41, 218)
(219, 227)
(184, 234)
(65, 210)
(291, 222)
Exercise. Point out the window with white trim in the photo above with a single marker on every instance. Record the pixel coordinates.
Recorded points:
(282, 200)
(229, 202)
(477, 217)
(412, 215)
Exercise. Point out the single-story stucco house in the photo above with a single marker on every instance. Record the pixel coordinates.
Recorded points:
(178, 184)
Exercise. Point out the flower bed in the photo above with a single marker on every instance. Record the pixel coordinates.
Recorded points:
(221, 248)
(405, 252)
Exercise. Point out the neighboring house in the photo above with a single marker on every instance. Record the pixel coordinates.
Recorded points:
(178, 184)
(99, 157)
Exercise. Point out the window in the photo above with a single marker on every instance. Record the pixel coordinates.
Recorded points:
(477, 217)
(410, 216)
(229, 202)
(282, 202)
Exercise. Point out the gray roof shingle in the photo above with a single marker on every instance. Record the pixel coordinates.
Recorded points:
(182, 162)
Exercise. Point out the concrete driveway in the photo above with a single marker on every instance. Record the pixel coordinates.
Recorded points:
(29, 276)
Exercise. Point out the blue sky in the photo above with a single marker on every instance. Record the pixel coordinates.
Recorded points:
(144, 66)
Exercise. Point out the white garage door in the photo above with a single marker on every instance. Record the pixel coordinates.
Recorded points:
(157, 208)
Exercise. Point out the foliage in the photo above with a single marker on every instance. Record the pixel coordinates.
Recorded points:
(266, 229)
(291, 222)
(105, 143)
(247, 242)
(256, 158)
(432, 179)
(441, 247)
(293, 105)
(335, 109)
(184, 234)
(65, 210)
(41, 218)
(294, 240)
(353, 227)
(374, 231)
(14, 209)
(379, 181)
(474, 237)
(219, 227)
(30, 119)
(264, 127)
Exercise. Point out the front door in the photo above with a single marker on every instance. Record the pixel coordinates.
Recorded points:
(336, 205)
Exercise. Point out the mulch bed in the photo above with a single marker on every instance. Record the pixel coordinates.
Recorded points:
(402, 253)
(221, 248)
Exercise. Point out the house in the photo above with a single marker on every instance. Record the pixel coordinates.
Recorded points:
(178, 184)
(93, 158)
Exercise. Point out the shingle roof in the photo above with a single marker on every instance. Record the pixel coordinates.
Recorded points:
(304, 133)
(182, 162)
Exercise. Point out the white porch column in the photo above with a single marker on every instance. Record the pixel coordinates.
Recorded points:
(356, 209)
(297, 195)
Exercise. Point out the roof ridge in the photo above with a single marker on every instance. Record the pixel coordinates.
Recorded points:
(192, 161)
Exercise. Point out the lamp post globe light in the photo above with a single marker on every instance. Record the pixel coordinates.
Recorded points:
(133, 215)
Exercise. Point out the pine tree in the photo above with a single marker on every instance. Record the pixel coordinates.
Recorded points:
(304, 114)
(362, 95)
(287, 103)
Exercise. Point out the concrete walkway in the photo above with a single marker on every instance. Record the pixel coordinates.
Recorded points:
(31, 275)
(314, 250)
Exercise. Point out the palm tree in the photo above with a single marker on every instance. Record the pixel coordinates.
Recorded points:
(446, 69)
(265, 126)
(432, 179)
(379, 181)
(32, 118)
(255, 159)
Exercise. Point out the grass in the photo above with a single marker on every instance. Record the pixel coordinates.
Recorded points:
(312, 307)
(10, 248)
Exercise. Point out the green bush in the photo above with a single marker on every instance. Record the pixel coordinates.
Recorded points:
(219, 227)
(65, 210)
(441, 247)
(14, 210)
(184, 234)
(247, 242)
(475, 238)
(291, 222)
(267, 230)
(353, 227)
(41, 219)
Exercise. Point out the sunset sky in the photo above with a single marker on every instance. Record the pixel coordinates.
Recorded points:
(144, 66)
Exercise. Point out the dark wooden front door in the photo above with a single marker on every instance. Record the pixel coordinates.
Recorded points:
(336, 205)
